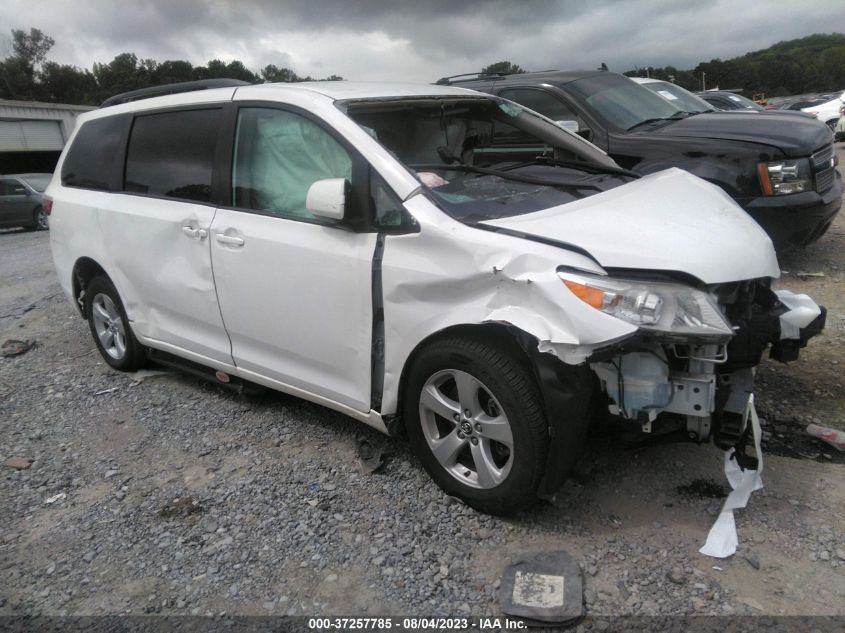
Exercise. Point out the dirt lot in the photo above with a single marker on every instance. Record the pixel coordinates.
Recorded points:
(280, 518)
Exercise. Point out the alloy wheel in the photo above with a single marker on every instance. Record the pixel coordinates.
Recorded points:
(466, 429)
(109, 326)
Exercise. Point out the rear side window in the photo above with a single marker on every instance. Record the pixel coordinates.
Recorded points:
(94, 159)
(171, 154)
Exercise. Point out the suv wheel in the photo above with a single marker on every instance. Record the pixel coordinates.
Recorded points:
(475, 418)
(110, 327)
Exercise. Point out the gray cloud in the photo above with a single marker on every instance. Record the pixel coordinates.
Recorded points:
(422, 40)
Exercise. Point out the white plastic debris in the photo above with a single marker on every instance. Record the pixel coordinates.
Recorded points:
(722, 539)
(55, 498)
(827, 435)
(802, 312)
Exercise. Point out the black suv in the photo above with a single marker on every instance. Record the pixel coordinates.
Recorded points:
(779, 168)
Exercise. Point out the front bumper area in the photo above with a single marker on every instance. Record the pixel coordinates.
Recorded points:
(708, 385)
(796, 220)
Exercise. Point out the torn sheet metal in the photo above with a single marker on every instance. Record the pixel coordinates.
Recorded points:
(722, 540)
(452, 274)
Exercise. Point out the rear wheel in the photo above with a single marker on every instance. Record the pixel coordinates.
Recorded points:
(40, 220)
(110, 327)
(474, 417)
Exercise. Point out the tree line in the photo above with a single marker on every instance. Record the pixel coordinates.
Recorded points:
(809, 64)
(28, 75)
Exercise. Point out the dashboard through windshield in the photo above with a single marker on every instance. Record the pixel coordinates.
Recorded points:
(483, 157)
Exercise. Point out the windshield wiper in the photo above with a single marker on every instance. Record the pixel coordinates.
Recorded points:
(592, 168)
(507, 175)
(680, 114)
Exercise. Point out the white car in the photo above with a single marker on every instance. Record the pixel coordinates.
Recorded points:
(829, 111)
(839, 130)
(423, 258)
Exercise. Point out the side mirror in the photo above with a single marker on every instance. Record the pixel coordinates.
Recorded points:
(571, 126)
(327, 198)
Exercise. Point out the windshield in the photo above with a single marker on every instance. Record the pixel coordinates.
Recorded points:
(620, 102)
(485, 157)
(679, 97)
(38, 182)
(738, 102)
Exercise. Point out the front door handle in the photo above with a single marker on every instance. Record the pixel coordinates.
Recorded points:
(195, 233)
(231, 240)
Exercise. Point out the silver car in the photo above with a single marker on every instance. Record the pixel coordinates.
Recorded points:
(21, 201)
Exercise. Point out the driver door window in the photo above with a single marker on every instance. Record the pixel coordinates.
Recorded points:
(278, 156)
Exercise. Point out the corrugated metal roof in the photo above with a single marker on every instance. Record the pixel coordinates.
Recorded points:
(11, 103)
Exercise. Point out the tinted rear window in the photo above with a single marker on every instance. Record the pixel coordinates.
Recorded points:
(94, 159)
(171, 154)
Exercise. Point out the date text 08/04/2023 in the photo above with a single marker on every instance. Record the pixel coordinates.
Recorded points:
(414, 624)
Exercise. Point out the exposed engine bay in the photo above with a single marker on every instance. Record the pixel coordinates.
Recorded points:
(707, 385)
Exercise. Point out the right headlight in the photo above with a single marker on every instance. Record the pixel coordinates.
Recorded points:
(676, 311)
(783, 177)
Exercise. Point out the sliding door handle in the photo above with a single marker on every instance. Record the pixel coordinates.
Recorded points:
(231, 240)
(194, 232)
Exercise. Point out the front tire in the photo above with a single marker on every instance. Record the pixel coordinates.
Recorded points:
(110, 327)
(474, 417)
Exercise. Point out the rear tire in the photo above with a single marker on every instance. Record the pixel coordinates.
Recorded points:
(40, 222)
(474, 417)
(110, 327)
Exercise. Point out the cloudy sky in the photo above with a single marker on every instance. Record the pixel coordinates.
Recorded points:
(417, 40)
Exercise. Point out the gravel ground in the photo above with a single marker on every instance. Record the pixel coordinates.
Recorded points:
(177, 497)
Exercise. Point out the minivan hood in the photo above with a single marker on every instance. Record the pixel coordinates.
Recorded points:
(794, 136)
(668, 221)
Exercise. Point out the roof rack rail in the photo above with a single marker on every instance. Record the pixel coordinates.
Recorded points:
(171, 89)
(445, 81)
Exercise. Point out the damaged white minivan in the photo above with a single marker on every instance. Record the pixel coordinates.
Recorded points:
(420, 258)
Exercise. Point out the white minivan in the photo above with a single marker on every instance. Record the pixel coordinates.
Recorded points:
(428, 260)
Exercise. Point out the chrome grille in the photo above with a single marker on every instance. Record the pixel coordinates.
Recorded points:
(823, 168)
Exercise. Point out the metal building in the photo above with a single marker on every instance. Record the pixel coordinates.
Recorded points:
(32, 134)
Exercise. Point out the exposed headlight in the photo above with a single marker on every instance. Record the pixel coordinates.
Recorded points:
(785, 176)
(674, 310)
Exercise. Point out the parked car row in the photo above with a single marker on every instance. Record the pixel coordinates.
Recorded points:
(446, 262)
(827, 108)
